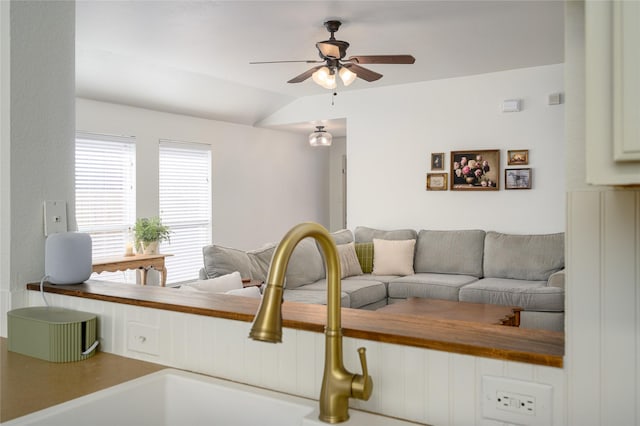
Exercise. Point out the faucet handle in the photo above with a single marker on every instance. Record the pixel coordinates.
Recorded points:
(362, 385)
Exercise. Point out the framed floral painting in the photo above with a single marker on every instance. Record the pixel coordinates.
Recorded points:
(475, 170)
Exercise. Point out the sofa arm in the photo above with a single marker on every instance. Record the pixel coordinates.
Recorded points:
(556, 279)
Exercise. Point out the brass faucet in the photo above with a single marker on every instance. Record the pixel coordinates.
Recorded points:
(338, 384)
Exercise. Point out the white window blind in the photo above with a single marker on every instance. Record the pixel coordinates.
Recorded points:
(185, 206)
(105, 193)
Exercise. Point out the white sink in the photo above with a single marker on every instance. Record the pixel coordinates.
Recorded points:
(175, 397)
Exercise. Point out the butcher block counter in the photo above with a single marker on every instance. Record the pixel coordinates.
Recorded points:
(30, 384)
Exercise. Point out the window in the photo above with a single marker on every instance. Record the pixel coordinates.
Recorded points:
(185, 206)
(105, 193)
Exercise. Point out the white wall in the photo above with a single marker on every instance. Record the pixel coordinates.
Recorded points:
(392, 132)
(337, 196)
(603, 254)
(264, 181)
(37, 136)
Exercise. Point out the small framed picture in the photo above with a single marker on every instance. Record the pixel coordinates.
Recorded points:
(518, 157)
(437, 181)
(517, 178)
(437, 161)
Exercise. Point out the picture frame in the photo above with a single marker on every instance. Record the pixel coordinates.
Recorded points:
(518, 157)
(475, 170)
(437, 161)
(517, 178)
(437, 181)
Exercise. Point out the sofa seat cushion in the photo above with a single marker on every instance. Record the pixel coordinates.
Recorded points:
(385, 279)
(315, 297)
(529, 295)
(433, 286)
(450, 252)
(523, 257)
(361, 292)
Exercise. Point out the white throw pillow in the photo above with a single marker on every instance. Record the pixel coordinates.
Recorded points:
(252, 291)
(189, 289)
(221, 284)
(393, 257)
(349, 264)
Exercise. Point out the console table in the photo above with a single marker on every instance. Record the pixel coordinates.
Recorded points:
(141, 262)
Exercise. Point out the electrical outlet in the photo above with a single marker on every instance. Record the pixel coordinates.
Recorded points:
(142, 338)
(516, 401)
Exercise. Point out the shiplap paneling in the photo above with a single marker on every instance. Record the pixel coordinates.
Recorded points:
(416, 384)
(603, 307)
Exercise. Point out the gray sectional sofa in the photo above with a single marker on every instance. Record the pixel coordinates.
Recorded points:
(462, 265)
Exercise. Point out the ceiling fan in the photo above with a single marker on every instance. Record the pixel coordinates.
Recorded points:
(332, 53)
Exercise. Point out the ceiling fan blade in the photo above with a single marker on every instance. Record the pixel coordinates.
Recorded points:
(328, 50)
(309, 61)
(305, 75)
(363, 72)
(383, 59)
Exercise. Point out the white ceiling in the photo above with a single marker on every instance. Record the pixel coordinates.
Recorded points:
(192, 57)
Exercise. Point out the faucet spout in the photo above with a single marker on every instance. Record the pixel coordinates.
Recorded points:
(338, 384)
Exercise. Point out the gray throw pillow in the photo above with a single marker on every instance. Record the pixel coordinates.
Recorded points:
(349, 264)
(219, 260)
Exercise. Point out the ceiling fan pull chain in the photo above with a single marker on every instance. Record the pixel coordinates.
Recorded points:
(333, 97)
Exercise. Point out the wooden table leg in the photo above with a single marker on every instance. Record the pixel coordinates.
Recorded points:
(163, 271)
(143, 276)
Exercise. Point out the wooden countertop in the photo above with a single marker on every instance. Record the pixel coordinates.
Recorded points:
(30, 384)
(539, 347)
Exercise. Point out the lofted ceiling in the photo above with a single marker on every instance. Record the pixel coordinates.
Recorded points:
(192, 57)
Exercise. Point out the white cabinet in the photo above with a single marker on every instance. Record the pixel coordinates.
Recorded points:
(612, 42)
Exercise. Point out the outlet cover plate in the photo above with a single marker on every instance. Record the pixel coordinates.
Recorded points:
(493, 387)
(55, 217)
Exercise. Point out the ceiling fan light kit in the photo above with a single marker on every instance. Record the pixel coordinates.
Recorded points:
(320, 137)
(332, 53)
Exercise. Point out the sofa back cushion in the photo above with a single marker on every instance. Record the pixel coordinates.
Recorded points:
(260, 260)
(523, 257)
(219, 260)
(450, 252)
(306, 265)
(366, 235)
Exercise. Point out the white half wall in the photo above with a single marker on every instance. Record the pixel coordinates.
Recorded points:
(392, 131)
(264, 181)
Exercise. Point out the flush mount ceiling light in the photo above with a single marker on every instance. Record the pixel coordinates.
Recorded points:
(320, 137)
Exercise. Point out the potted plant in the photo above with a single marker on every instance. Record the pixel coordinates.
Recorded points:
(149, 232)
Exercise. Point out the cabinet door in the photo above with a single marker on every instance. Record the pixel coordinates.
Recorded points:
(612, 43)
